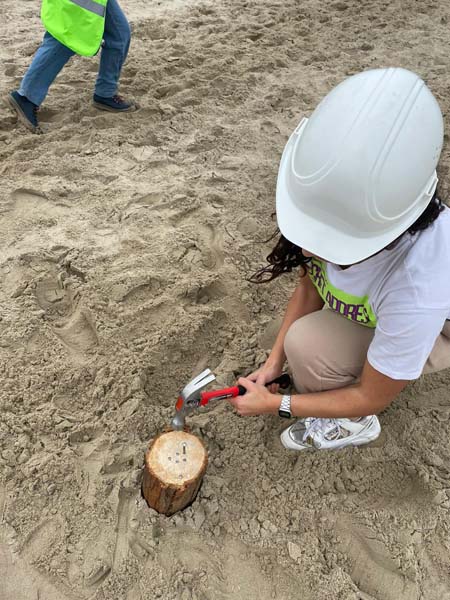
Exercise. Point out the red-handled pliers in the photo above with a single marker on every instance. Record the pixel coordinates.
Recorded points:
(283, 381)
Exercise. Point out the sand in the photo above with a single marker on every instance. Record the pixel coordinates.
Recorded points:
(125, 246)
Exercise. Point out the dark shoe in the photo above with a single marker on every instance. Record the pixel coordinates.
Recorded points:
(25, 110)
(114, 104)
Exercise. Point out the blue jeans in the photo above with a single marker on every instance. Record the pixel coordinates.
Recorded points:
(51, 57)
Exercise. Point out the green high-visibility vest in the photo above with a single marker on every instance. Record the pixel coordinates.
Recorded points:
(78, 24)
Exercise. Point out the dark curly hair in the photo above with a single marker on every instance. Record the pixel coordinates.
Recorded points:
(286, 256)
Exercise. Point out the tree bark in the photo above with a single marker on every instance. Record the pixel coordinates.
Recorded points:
(174, 467)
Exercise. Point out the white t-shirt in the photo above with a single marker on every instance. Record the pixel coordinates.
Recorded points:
(408, 290)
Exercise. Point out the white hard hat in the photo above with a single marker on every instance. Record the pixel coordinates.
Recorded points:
(361, 170)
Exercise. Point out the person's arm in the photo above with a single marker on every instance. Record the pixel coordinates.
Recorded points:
(304, 300)
(371, 395)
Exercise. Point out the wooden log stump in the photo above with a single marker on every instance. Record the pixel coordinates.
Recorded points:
(174, 467)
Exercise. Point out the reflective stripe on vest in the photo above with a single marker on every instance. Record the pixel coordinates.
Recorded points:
(92, 6)
(354, 308)
(77, 24)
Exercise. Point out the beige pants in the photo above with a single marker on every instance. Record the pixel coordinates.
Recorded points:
(327, 351)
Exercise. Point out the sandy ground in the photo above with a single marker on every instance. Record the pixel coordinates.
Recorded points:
(125, 243)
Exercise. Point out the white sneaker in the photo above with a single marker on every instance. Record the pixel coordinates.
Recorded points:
(330, 434)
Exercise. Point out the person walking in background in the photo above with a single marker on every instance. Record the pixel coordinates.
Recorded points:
(76, 27)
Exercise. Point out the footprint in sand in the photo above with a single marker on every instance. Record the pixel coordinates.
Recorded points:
(371, 566)
(204, 244)
(70, 322)
(22, 581)
(98, 459)
(121, 546)
(7, 122)
(239, 574)
(96, 563)
(42, 539)
(105, 552)
(211, 292)
(25, 582)
(31, 220)
(10, 68)
(53, 297)
(206, 250)
(269, 127)
(78, 333)
(31, 205)
(138, 291)
(91, 448)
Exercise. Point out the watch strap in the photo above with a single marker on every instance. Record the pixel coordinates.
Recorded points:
(285, 407)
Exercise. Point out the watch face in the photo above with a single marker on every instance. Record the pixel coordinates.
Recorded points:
(285, 414)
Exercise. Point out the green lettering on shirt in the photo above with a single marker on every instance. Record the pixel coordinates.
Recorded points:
(354, 308)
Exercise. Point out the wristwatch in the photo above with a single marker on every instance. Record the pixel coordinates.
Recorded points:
(285, 407)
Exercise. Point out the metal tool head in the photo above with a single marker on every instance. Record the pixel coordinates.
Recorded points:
(190, 394)
(189, 397)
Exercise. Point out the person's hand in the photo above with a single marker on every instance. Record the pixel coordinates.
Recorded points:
(257, 401)
(267, 372)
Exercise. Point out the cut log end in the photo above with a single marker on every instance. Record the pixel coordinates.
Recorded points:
(174, 467)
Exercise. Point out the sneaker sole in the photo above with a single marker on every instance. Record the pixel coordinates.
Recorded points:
(107, 108)
(21, 115)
